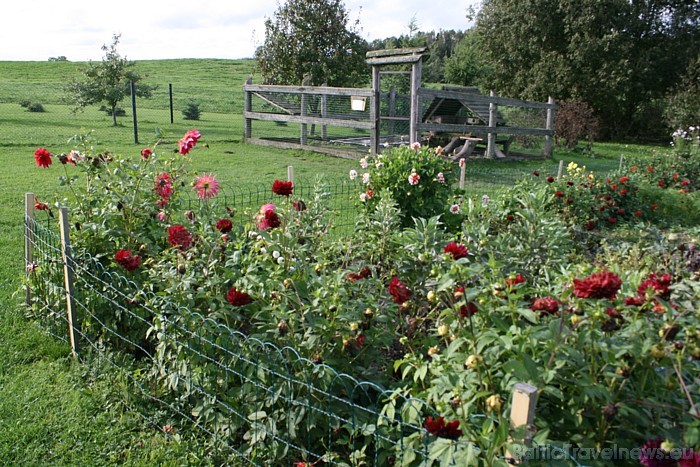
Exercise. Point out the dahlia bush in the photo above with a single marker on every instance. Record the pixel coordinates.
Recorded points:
(454, 316)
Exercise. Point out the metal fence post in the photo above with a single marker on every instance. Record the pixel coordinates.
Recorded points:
(67, 256)
(29, 201)
(133, 112)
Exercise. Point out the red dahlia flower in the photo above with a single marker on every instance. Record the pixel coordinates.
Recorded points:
(164, 186)
(224, 225)
(282, 188)
(603, 284)
(399, 291)
(546, 304)
(42, 157)
(438, 427)
(179, 236)
(470, 309)
(125, 259)
(658, 285)
(146, 153)
(237, 298)
(457, 250)
(514, 280)
(188, 141)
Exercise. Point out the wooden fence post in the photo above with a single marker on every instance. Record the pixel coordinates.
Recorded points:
(290, 173)
(29, 202)
(491, 139)
(67, 256)
(548, 143)
(462, 173)
(522, 415)
(248, 107)
(622, 160)
(304, 103)
(560, 171)
(374, 112)
(324, 114)
(416, 77)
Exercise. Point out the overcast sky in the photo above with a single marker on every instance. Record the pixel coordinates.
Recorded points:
(159, 29)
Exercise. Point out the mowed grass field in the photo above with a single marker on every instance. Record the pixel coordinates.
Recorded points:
(56, 412)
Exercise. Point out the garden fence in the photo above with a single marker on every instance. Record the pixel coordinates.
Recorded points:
(250, 399)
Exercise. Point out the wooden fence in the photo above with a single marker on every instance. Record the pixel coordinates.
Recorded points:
(323, 106)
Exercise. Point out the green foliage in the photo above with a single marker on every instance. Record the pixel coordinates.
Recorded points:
(441, 45)
(683, 102)
(393, 303)
(614, 55)
(312, 38)
(108, 81)
(419, 181)
(35, 107)
(192, 111)
(464, 66)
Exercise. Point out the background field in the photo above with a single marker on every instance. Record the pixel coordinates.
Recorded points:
(54, 410)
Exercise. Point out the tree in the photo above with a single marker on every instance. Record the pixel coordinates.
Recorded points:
(108, 81)
(464, 67)
(619, 56)
(312, 38)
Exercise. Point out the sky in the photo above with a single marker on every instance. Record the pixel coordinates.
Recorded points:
(159, 29)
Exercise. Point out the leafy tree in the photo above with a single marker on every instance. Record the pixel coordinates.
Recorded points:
(616, 55)
(683, 103)
(312, 38)
(464, 66)
(108, 81)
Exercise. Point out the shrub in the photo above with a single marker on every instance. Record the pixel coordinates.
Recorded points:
(25, 103)
(35, 107)
(575, 120)
(192, 111)
(119, 112)
(419, 181)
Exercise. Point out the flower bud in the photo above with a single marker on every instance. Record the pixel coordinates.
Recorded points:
(493, 403)
(433, 351)
(472, 361)
(443, 329)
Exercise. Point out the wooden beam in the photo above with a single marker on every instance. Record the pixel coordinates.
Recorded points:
(394, 60)
(364, 125)
(391, 52)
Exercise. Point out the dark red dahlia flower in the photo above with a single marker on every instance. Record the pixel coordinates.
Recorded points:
(547, 304)
(237, 298)
(603, 284)
(282, 188)
(457, 250)
(224, 225)
(127, 260)
(179, 236)
(399, 291)
(438, 427)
